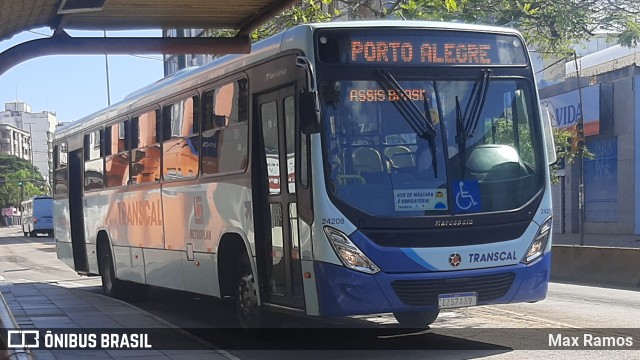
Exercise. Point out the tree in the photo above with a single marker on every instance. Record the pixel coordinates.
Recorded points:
(551, 26)
(21, 181)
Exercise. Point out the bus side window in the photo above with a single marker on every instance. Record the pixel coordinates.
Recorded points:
(180, 134)
(145, 155)
(224, 145)
(93, 161)
(60, 186)
(117, 161)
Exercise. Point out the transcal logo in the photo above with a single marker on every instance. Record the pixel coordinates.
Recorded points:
(492, 256)
(140, 213)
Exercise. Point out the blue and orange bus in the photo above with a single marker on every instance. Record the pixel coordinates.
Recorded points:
(342, 168)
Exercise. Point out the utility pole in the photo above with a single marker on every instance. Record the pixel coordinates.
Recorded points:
(580, 154)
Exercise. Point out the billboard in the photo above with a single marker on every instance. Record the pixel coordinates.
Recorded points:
(565, 109)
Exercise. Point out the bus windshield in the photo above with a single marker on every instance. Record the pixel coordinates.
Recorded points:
(384, 159)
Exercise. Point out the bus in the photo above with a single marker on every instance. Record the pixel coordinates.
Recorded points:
(37, 216)
(338, 169)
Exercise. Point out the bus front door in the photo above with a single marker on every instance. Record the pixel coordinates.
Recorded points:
(76, 213)
(283, 275)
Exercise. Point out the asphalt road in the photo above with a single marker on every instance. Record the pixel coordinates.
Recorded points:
(513, 331)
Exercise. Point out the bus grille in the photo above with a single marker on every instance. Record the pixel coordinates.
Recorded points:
(425, 292)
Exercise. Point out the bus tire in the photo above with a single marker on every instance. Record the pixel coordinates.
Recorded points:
(25, 233)
(248, 310)
(33, 234)
(111, 286)
(416, 319)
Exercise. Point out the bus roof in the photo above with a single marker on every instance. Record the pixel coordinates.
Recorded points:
(293, 38)
(38, 197)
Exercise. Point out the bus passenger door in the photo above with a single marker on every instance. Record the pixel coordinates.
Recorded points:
(76, 211)
(282, 284)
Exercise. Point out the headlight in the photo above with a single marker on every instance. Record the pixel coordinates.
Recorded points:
(539, 242)
(348, 253)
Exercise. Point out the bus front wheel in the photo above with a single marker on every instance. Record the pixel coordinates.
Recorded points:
(416, 319)
(249, 311)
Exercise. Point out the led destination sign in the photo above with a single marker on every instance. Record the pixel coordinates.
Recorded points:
(435, 50)
(396, 52)
(361, 95)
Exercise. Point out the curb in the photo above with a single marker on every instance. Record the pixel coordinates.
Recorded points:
(596, 265)
(7, 321)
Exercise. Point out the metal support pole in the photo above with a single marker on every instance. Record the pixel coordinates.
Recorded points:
(580, 159)
(106, 71)
(21, 197)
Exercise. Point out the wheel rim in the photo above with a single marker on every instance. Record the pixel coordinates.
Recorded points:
(247, 303)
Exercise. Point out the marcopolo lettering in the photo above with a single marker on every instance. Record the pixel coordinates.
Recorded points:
(451, 223)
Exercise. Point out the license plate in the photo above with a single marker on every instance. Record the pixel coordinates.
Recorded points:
(447, 301)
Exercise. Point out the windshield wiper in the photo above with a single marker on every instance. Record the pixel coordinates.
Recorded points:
(467, 123)
(420, 122)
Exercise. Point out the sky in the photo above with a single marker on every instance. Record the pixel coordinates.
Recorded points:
(73, 86)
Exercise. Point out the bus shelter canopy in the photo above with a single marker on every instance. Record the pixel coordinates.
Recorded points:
(21, 15)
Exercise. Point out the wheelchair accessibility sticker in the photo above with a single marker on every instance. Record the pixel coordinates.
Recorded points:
(466, 194)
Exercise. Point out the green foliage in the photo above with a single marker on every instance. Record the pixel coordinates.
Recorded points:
(549, 25)
(631, 34)
(306, 11)
(16, 171)
(566, 154)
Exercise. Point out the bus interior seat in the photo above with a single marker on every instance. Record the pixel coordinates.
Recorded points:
(366, 159)
(399, 157)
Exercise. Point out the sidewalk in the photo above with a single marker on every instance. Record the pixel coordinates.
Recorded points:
(605, 260)
(46, 306)
(65, 305)
(600, 240)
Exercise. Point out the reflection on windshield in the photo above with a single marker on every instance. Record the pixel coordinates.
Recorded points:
(381, 164)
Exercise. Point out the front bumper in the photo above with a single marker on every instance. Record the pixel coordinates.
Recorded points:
(342, 291)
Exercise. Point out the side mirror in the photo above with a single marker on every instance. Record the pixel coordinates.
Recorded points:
(308, 113)
(547, 129)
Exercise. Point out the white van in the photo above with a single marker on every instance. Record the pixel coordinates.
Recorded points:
(37, 216)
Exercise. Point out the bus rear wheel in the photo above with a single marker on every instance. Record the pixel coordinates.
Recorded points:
(248, 310)
(111, 286)
(416, 319)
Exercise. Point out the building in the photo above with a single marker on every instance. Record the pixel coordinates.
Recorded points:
(608, 100)
(15, 141)
(38, 126)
